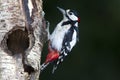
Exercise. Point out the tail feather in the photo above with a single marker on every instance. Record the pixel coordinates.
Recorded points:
(43, 66)
(47, 29)
(54, 68)
(56, 63)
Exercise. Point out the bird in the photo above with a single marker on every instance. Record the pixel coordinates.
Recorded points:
(63, 38)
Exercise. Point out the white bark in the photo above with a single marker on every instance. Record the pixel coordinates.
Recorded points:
(21, 41)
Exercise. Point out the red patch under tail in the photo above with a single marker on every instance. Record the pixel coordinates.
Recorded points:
(52, 55)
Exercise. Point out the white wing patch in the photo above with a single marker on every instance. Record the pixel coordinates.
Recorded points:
(74, 39)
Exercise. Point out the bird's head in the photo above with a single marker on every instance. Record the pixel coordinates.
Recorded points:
(69, 14)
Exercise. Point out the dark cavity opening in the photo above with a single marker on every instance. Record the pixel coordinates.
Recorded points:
(18, 41)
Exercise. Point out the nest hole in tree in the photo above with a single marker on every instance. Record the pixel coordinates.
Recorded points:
(18, 41)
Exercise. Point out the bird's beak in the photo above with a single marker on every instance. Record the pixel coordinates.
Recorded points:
(61, 10)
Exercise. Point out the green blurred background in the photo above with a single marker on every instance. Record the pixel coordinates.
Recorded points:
(97, 55)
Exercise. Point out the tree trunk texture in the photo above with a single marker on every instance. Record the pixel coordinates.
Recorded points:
(22, 34)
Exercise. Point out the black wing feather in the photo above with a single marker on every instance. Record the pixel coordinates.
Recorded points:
(66, 41)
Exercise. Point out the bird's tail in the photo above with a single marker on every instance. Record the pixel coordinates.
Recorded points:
(54, 68)
(47, 29)
(43, 66)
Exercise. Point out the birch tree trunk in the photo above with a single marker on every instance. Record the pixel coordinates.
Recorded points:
(22, 34)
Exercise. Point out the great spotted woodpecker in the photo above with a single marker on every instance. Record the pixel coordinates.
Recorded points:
(63, 38)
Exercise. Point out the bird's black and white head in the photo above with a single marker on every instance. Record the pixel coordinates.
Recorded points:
(70, 15)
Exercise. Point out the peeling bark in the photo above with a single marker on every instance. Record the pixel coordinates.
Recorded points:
(22, 34)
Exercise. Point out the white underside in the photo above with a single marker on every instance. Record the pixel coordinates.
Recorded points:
(57, 36)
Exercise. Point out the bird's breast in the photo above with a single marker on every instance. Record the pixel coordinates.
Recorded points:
(56, 41)
(57, 36)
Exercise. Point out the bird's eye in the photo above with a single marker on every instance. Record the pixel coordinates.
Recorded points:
(70, 13)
